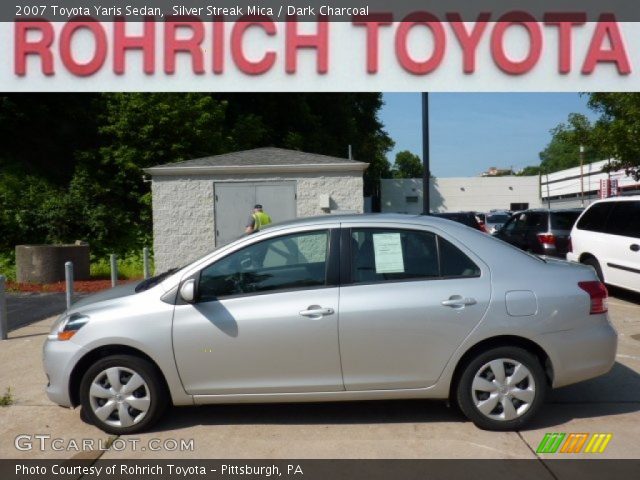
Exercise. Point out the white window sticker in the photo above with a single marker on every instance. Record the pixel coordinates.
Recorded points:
(387, 248)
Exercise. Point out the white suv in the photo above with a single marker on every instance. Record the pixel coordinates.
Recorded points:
(607, 237)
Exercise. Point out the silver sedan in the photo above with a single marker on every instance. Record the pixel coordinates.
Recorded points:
(360, 307)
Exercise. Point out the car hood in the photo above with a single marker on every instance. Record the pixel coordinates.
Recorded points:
(111, 294)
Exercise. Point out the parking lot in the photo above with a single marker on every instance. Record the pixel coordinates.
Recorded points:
(390, 429)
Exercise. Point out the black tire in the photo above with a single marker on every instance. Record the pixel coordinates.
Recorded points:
(596, 266)
(466, 396)
(154, 390)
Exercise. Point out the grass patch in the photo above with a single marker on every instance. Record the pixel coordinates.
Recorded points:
(129, 268)
(7, 398)
(8, 265)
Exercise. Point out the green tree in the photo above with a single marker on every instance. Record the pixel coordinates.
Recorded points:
(563, 151)
(407, 165)
(529, 171)
(617, 131)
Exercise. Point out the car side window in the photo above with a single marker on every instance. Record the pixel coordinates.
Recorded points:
(294, 261)
(595, 218)
(624, 219)
(520, 223)
(454, 262)
(510, 226)
(537, 222)
(383, 255)
(379, 255)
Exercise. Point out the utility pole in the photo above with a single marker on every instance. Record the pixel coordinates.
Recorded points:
(548, 194)
(426, 173)
(582, 175)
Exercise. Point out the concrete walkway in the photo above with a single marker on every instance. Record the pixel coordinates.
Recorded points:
(398, 429)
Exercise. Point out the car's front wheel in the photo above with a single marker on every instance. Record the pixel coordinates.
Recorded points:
(502, 388)
(122, 394)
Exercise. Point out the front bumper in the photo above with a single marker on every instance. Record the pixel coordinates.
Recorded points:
(583, 354)
(59, 359)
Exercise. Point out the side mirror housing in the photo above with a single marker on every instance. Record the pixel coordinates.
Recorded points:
(188, 291)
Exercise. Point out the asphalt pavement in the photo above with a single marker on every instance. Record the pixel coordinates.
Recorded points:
(26, 308)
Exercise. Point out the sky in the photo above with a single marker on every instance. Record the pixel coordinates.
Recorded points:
(470, 132)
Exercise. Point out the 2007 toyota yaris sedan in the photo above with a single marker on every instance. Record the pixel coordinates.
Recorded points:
(359, 307)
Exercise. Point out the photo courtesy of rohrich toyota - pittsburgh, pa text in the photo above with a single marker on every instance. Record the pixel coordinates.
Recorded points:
(319, 240)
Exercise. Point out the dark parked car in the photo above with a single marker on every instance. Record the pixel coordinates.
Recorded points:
(470, 219)
(541, 231)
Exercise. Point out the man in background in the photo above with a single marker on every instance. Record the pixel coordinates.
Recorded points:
(257, 220)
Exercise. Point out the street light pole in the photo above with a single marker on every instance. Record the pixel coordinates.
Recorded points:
(426, 205)
(582, 175)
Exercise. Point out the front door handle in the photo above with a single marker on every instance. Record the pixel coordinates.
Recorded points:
(634, 247)
(314, 311)
(456, 301)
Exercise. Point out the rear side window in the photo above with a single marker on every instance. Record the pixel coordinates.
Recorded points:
(563, 220)
(384, 255)
(379, 255)
(625, 219)
(595, 218)
(454, 262)
(537, 221)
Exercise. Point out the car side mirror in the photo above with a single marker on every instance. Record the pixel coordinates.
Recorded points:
(188, 291)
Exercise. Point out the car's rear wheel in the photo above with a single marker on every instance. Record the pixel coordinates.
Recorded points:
(502, 388)
(122, 394)
(596, 266)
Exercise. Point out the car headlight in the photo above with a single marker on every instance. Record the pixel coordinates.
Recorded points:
(67, 326)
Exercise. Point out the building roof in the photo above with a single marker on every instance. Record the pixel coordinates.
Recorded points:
(259, 160)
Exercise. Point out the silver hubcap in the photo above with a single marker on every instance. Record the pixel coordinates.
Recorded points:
(119, 397)
(503, 389)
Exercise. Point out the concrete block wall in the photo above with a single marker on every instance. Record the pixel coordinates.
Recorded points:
(458, 194)
(183, 208)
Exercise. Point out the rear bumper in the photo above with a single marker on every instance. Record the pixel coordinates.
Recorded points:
(578, 355)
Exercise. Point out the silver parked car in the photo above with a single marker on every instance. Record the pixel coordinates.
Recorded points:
(360, 307)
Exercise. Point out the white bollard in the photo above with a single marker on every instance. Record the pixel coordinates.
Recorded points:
(114, 269)
(145, 259)
(4, 328)
(68, 277)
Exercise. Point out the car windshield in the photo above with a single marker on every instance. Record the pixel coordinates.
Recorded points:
(497, 218)
(564, 220)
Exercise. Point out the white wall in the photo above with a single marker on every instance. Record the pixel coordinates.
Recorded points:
(183, 209)
(459, 194)
(567, 182)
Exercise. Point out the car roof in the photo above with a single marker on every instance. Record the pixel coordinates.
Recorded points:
(552, 210)
(368, 218)
(629, 198)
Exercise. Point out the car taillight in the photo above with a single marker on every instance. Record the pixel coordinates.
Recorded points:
(598, 294)
(547, 238)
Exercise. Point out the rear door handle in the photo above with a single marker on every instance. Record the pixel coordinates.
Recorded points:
(456, 301)
(315, 311)
(634, 247)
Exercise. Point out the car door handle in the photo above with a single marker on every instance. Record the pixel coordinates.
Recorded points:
(315, 311)
(634, 247)
(457, 301)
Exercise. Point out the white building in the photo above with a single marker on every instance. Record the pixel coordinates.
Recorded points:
(479, 194)
(564, 188)
(203, 203)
